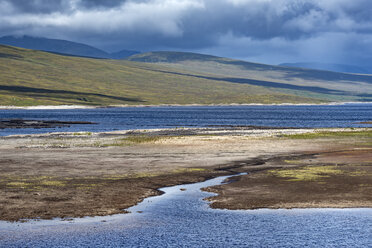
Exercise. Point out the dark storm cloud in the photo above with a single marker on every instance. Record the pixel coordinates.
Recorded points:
(35, 6)
(62, 6)
(96, 4)
(299, 28)
(260, 20)
(194, 20)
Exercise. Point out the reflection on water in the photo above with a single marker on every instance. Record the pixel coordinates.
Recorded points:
(109, 119)
(182, 219)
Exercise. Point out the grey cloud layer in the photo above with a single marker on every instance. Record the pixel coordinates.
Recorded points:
(193, 24)
(63, 6)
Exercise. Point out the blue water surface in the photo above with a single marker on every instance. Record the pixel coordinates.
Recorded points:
(109, 119)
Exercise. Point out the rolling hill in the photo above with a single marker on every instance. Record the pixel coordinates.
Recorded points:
(62, 47)
(29, 77)
(326, 85)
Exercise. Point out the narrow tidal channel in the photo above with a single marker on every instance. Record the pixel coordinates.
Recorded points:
(181, 218)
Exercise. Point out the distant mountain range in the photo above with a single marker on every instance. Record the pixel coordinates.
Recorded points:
(62, 47)
(330, 67)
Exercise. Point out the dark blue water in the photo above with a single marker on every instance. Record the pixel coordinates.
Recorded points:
(182, 219)
(110, 119)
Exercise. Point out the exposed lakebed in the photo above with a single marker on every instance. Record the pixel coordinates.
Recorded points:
(180, 218)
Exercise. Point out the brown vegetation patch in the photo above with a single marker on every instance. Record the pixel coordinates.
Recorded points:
(81, 197)
(322, 181)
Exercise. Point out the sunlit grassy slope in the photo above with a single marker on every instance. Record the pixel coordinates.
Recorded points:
(29, 77)
(325, 85)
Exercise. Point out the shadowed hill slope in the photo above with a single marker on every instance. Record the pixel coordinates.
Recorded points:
(62, 47)
(29, 77)
(299, 81)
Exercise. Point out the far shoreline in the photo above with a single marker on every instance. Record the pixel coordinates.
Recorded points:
(59, 107)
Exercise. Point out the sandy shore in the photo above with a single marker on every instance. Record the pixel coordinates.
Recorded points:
(80, 174)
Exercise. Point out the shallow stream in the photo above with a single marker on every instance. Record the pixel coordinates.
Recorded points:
(181, 218)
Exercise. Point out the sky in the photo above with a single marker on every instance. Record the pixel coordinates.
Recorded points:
(266, 31)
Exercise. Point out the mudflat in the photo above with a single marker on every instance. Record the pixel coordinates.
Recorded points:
(333, 179)
(88, 174)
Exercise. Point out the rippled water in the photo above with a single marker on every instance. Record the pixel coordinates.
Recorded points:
(182, 219)
(109, 119)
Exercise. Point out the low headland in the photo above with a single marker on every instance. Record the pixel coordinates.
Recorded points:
(21, 123)
(89, 174)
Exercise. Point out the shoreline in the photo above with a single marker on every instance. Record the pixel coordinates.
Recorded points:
(98, 174)
(253, 131)
(57, 107)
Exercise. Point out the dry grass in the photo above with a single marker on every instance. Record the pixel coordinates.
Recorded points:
(331, 134)
(313, 173)
(39, 78)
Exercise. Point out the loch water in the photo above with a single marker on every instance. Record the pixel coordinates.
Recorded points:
(110, 119)
(181, 218)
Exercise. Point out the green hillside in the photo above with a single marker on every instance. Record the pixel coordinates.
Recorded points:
(29, 77)
(326, 85)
